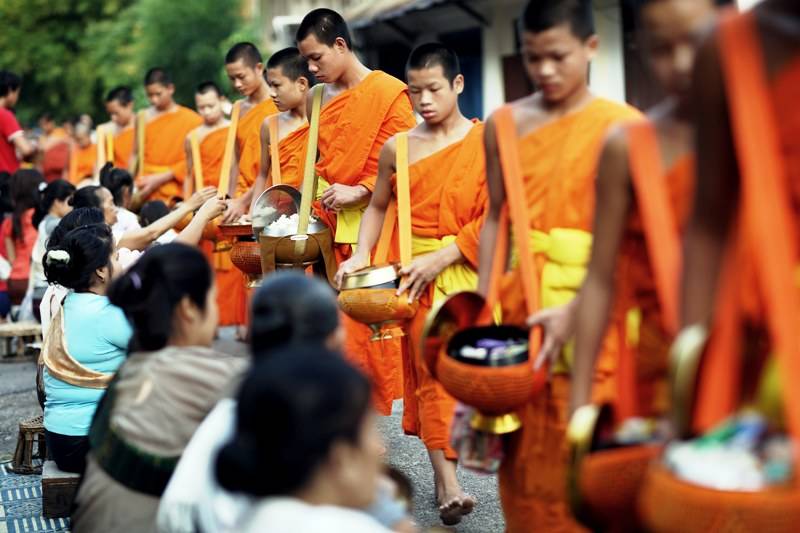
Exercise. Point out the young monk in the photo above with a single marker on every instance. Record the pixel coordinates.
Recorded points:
(560, 130)
(211, 136)
(748, 172)
(245, 69)
(361, 109)
(447, 197)
(289, 81)
(83, 154)
(165, 128)
(119, 105)
(627, 246)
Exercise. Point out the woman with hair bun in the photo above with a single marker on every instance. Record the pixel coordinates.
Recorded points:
(86, 342)
(170, 381)
(314, 461)
(119, 183)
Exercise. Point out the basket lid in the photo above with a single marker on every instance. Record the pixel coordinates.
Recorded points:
(276, 201)
(371, 277)
(452, 314)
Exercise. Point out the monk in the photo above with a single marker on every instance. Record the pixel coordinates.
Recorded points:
(165, 128)
(83, 155)
(245, 69)
(210, 137)
(447, 200)
(632, 265)
(289, 81)
(748, 172)
(560, 130)
(361, 109)
(52, 133)
(119, 105)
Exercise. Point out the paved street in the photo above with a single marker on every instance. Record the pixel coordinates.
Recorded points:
(18, 401)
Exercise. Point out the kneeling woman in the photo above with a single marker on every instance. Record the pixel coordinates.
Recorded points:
(169, 383)
(86, 343)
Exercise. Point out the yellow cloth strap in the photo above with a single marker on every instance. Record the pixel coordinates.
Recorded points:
(310, 177)
(100, 157)
(197, 163)
(455, 278)
(109, 145)
(403, 200)
(61, 365)
(141, 124)
(227, 155)
(274, 155)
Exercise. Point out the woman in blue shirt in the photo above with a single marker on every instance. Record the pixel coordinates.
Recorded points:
(86, 343)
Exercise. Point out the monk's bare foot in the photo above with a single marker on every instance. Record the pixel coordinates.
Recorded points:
(453, 509)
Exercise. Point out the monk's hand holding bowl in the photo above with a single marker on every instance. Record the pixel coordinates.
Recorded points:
(356, 262)
(558, 325)
(338, 196)
(425, 268)
(236, 208)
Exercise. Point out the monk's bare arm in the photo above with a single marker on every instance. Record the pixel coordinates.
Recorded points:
(497, 197)
(188, 183)
(264, 168)
(716, 193)
(613, 202)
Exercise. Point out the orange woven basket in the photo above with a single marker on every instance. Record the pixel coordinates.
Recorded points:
(376, 306)
(246, 256)
(668, 504)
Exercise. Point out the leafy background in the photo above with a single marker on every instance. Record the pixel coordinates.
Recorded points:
(71, 52)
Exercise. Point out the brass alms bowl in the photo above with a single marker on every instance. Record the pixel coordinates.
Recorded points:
(379, 276)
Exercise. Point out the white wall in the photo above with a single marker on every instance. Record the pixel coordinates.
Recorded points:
(498, 41)
(607, 75)
(746, 4)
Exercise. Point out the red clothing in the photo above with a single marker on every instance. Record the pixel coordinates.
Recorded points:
(9, 127)
(23, 248)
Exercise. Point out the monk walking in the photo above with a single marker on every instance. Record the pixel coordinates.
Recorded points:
(361, 109)
(245, 69)
(82, 156)
(208, 140)
(447, 186)
(161, 161)
(560, 131)
(289, 81)
(119, 105)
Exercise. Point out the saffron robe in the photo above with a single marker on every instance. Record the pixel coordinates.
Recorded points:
(123, 147)
(82, 162)
(559, 161)
(292, 153)
(248, 141)
(231, 292)
(164, 149)
(448, 203)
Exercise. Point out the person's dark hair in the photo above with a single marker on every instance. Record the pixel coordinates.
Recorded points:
(116, 180)
(326, 25)
(542, 15)
(157, 75)
(82, 216)
(429, 55)
(314, 400)
(207, 87)
(87, 197)
(9, 82)
(152, 211)
(120, 93)
(25, 195)
(6, 205)
(55, 190)
(291, 308)
(247, 52)
(87, 249)
(292, 64)
(151, 289)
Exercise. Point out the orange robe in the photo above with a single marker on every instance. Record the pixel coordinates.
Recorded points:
(164, 149)
(558, 163)
(353, 126)
(248, 140)
(231, 291)
(448, 198)
(292, 152)
(123, 147)
(82, 162)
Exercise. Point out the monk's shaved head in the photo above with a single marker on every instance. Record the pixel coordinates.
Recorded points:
(326, 25)
(292, 63)
(543, 15)
(246, 52)
(208, 87)
(157, 75)
(430, 55)
(121, 94)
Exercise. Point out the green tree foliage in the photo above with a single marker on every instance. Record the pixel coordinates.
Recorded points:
(71, 52)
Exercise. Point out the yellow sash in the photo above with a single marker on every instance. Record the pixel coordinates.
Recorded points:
(61, 365)
(455, 278)
(197, 163)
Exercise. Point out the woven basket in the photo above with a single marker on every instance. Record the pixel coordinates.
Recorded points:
(668, 504)
(376, 306)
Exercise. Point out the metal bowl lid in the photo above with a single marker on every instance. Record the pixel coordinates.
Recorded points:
(371, 277)
(276, 201)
